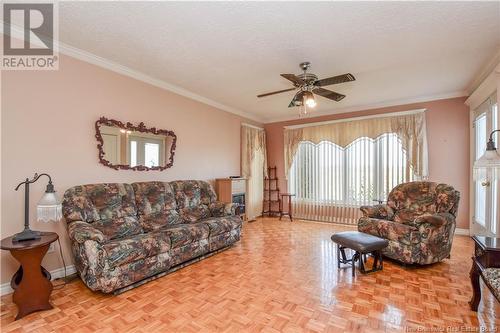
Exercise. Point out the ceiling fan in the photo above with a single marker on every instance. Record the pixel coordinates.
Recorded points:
(308, 84)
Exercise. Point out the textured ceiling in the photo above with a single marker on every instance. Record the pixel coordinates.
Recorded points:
(231, 51)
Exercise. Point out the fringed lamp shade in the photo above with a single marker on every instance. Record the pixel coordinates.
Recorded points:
(49, 208)
(488, 166)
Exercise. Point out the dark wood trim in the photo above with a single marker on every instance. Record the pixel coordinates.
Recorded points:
(103, 121)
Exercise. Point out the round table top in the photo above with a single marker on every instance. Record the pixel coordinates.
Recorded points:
(45, 238)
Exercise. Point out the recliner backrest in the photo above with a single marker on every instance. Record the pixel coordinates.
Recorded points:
(409, 200)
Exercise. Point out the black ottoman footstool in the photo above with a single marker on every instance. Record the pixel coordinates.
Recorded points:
(362, 244)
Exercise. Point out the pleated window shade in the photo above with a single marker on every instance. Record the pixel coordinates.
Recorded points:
(331, 182)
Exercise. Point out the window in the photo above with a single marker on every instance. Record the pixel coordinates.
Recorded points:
(145, 151)
(486, 219)
(364, 171)
(480, 197)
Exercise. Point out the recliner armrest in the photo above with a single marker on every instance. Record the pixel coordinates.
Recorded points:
(220, 209)
(80, 232)
(435, 220)
(380, 211)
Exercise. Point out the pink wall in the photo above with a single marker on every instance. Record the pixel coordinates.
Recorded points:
(447, 134)
(48, 126)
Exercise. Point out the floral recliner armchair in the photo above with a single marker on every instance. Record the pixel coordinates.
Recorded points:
(418, 220)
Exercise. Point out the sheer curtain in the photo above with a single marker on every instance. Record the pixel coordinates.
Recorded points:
(253, 167)
(335, 168)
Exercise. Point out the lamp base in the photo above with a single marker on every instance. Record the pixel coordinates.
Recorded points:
(26, 235)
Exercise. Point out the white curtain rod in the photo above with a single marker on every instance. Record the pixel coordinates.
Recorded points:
(382, 115)
(252, 126)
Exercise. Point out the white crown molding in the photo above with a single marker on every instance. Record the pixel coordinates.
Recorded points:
(485, 89)
(74, 52)
(55, 274)
(385, 104)
(492, 65)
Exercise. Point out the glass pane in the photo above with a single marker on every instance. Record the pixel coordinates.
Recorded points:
(133, 153)
(151, 154)
(365, 170)
(494, 185)
(480, 197)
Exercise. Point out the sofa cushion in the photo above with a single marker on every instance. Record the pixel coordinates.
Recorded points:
(138, 247)
(94, 202)
(193, 193)
(156, 205)
(183, 234)
(194, 214)
(153, 197)
(160, 220)
(118, 228)
(193, 198)
(220, 225)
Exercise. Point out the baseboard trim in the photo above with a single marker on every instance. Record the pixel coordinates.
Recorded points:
(5, 288)
(462, 232)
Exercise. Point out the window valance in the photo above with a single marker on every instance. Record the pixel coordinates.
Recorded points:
(410, 128)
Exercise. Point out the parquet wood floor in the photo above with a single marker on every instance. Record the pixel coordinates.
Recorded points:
(282, 277)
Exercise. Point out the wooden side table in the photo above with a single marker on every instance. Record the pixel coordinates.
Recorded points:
(282, 203)
(31, 282)
(486, 255)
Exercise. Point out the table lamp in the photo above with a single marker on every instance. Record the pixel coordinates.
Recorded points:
(487, 167)
(49, 208)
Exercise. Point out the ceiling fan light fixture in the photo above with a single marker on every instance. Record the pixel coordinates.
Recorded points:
(309, 99)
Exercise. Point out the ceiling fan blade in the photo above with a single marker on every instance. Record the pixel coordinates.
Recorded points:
(297, 99)
(275, 92)
(335, 80)
(328, 94)
(296, 80)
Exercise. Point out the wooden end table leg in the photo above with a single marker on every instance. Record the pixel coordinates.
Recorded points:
(290, 208)
(33, 290)
(476, 288)
(280, 205)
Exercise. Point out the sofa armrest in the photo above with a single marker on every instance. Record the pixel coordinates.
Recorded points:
(220, 209)
(80, 232)
(380, 211)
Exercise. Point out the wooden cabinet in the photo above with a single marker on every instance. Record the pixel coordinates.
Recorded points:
(231, 190)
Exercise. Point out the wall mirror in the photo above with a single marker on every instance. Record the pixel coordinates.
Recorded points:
(126, 146)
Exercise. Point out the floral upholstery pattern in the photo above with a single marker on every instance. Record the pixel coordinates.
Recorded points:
(378, 211)
(122, 234)
(110, 208)
(186, 233)
(418, 221)
(492, 278)
(219, 209)
(222, 225)
(156, 205)
(131, 249)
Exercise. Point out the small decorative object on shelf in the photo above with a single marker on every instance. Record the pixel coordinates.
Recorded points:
(271, 203)
(49, 208)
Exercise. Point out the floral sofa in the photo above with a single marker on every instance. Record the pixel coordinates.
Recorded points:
(124, 234)
(418, 220)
